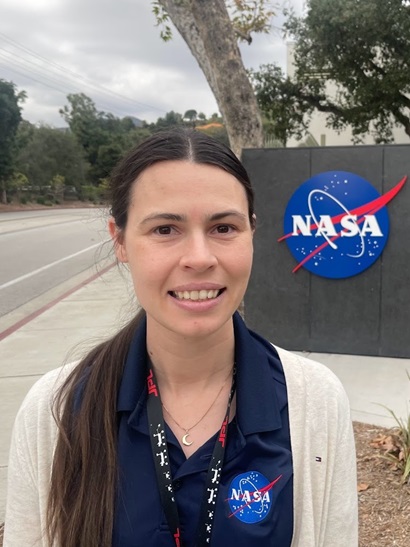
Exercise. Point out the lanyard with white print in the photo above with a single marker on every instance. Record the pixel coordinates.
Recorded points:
(163, 467)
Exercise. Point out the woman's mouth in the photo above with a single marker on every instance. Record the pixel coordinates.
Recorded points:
(203, 294)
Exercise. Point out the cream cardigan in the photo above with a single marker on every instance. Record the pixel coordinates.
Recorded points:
(324, 461)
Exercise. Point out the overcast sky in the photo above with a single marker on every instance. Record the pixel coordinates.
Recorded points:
(111, 51)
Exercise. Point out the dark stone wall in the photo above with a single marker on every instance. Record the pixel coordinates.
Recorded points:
(368, 314)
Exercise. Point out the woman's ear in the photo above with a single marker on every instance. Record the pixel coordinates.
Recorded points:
(253, 223)
(118, 239)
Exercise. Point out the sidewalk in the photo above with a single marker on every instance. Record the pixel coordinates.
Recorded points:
(99, 307)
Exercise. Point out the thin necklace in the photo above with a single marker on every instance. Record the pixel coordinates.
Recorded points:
(184, 438)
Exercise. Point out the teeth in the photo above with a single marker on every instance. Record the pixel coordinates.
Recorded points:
(196, 295)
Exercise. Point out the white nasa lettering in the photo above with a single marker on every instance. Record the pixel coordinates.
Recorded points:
(235, 494)
(301, 225)
(371, 226)
(248, 497)
(351, 228)
(326, 228)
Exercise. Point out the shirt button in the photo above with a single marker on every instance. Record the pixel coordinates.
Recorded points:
(177, 484)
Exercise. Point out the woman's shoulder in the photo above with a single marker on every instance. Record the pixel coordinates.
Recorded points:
(40, 397)
(309, 376)
(295, 363)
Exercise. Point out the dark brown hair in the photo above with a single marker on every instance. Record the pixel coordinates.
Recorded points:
(80, 508)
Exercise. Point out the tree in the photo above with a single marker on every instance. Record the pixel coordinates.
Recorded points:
(103, 137)
(48, 153)
(10, 117)
(362, 47)
(191, 116)
(212, 36)
(84, 121)
(283, 114)
(171, 119)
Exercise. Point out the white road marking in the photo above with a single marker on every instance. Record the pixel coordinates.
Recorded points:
(47, 266)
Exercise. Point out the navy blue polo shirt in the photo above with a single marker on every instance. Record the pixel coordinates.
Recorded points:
(255, 500)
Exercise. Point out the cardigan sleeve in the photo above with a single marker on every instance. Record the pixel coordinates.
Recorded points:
(323, 454)
(30, 461)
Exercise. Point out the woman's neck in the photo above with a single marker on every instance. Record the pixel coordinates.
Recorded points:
(197, 363)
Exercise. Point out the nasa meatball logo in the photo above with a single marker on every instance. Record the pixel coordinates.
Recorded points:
(336, 224)
(250, 497)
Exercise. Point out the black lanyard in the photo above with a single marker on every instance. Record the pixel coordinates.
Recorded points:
(163, 467)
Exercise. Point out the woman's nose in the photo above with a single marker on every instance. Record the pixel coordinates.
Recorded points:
(198, 254)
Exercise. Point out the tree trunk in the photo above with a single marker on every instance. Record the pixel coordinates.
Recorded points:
(206, 28)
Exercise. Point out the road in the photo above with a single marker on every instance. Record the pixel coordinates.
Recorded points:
(40, 250)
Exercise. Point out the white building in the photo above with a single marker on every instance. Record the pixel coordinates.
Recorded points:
(325, 136)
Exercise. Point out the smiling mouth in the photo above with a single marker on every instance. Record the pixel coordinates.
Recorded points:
(203, 294)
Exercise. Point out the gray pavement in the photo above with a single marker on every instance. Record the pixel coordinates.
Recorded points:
(94, 309)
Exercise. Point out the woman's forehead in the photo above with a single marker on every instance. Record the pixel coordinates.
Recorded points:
(178, 178)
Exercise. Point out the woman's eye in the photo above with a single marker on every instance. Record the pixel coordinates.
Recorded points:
(224, 229)
(163, 230)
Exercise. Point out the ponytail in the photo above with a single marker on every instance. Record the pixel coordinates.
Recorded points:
(80, 509)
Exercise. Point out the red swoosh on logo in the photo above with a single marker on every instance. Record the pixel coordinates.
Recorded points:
(262, 491)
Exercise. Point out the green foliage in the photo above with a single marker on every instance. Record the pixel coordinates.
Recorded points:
(162, 19)
(103, 137)
(49, 153)
(250, 16)
(104, 190)
(247, 17)
(398, 452)
(171, 119)
(85, 123)
(18, 181)
(190, 115)
(362, 47)
(281, 107)
(57, 184)
(10, 117)
(89, 193)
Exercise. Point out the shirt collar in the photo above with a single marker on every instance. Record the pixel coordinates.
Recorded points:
(257, 407)
(257, 404)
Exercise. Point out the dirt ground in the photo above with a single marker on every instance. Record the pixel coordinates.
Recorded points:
(384, 505)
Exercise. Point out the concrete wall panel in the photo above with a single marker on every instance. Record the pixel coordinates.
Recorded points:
(366, 314)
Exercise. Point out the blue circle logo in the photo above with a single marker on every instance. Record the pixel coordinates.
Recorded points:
(250, 498)
(336, 224)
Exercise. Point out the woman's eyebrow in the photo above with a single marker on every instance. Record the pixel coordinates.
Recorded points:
(164, 216)
(229, 213)
(182, 218)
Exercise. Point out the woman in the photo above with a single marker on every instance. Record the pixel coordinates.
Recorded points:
(185, 428)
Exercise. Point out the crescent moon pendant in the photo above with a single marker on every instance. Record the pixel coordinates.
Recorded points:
(185, 440)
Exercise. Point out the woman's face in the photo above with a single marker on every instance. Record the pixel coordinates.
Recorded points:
(188, 243)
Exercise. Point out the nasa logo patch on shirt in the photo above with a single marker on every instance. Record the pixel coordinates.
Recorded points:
(250, 497)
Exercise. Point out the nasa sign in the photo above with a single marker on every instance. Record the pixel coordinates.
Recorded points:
(336, 224)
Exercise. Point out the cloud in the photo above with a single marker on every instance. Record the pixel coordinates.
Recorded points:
(111, 51)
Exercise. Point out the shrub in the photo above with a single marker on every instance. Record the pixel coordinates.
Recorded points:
(397, 450)
(89, 192)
